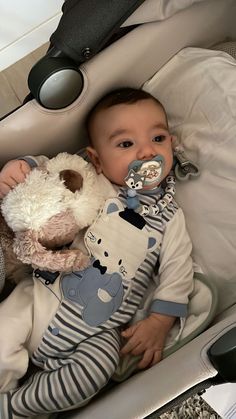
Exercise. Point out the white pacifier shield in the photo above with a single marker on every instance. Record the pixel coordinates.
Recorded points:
(152, 170)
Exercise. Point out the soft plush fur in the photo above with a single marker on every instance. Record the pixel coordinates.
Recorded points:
(47, 211)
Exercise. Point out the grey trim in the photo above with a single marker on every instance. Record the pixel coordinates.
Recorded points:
(170, 308)
(30, 161)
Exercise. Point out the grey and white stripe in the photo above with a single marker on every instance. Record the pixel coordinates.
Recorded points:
(71, 380)
(77, 360)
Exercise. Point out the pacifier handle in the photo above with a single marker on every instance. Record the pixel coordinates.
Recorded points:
(184, 168)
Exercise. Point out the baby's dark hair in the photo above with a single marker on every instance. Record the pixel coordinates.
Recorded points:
(124, 95)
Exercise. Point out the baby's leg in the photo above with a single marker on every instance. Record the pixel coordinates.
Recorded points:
(69, 382)
(15, 328)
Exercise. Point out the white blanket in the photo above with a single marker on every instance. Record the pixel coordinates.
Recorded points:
(197, 87)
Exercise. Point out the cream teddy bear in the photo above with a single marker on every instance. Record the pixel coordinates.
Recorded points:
(48, 210)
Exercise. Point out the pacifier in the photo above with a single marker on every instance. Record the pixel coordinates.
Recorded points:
(145, 175)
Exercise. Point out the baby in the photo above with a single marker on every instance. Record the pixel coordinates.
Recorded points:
(150, 254)
(124, 127)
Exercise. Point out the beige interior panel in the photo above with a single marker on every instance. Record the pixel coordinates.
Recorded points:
(130, 61)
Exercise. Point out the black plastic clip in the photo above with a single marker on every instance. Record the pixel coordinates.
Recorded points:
(49, 277)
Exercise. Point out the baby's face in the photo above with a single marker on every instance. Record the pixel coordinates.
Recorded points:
(127, 132)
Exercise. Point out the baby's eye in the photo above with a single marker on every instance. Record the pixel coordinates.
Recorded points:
(159, 138)
(125, 144)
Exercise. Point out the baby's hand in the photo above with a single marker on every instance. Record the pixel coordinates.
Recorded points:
(12, 173)
(147, 337)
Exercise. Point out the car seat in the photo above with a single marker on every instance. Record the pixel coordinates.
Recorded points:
(132, 48)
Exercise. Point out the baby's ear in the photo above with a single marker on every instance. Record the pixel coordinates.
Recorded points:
(94, 158)
(72, 180)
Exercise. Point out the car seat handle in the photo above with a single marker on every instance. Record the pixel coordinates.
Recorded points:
(86, 26)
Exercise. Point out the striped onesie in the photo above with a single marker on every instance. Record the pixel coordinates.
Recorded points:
(70, 328)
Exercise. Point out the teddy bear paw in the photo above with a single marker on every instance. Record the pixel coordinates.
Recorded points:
(82, 261)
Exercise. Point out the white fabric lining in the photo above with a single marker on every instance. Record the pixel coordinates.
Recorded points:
(197, 88)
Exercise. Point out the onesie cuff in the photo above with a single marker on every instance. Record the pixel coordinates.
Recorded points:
(30, 161)
(170, 308)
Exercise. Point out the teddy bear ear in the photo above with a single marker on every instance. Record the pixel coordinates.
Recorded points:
(29, 250)
(72, 180)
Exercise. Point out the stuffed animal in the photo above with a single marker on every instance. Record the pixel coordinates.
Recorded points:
(48, 210)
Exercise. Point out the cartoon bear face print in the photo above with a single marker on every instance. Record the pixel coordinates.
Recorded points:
(119, 240)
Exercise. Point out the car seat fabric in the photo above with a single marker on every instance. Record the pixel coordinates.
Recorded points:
(157, 10)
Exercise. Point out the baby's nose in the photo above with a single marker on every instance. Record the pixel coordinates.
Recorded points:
(146, 152)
